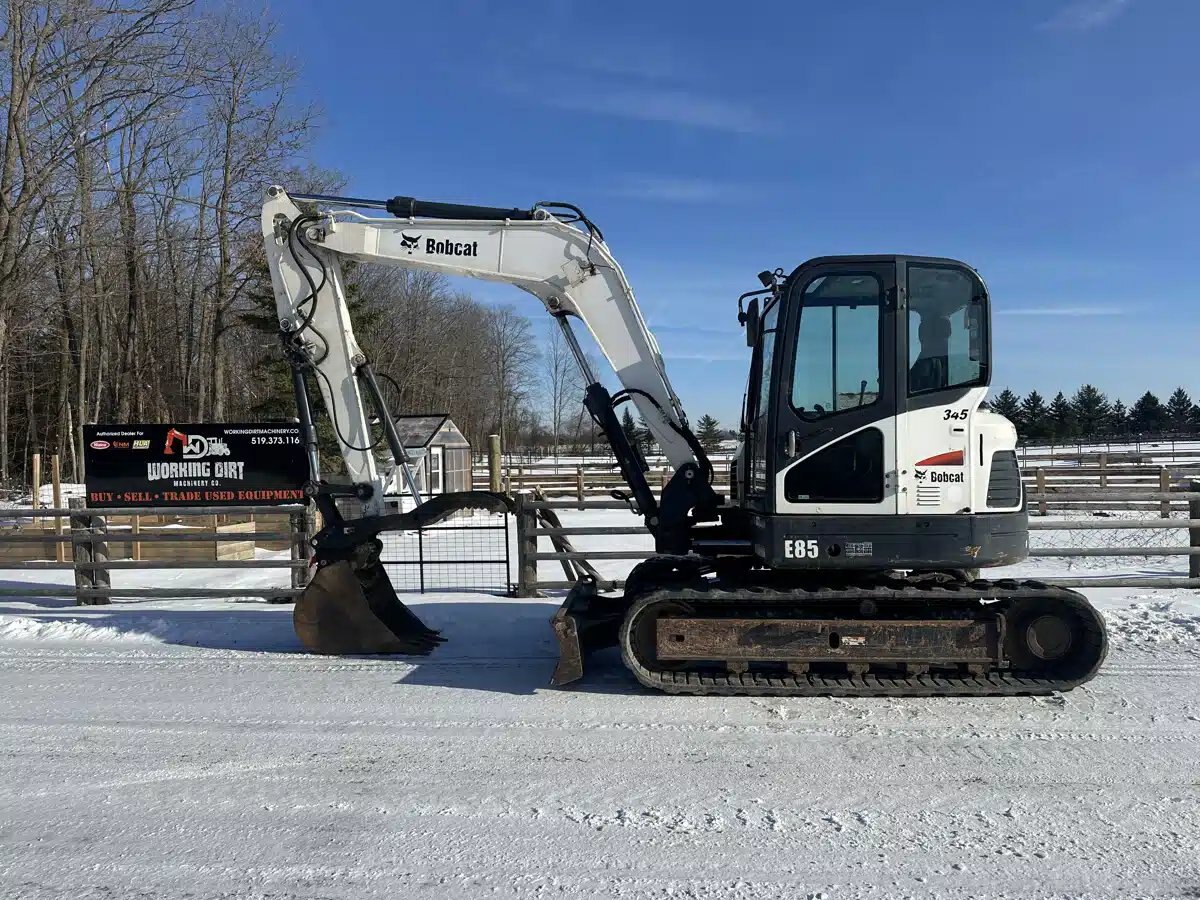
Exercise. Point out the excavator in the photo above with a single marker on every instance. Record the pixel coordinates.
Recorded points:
(870, 486)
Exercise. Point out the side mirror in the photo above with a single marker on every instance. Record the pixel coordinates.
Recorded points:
(750, 318)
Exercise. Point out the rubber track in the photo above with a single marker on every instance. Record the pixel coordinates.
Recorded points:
(998, 682)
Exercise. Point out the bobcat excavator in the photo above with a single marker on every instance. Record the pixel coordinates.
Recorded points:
(869, 487)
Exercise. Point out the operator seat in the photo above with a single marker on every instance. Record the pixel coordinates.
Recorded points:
(931, 371)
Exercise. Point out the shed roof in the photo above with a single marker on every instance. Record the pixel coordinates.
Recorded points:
(432, 429)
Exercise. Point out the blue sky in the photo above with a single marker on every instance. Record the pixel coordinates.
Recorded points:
(1053, 144)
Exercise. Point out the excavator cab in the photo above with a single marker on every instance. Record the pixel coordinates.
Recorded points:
(865, 446)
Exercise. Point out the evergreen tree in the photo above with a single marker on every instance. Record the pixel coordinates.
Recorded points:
(1035, 418)
(1062, 418)
(709, 433)
(1118, 418)
(645, 438)
(1179, 412)
(1008, 404)
(1091, 410)
(1148, 415)
(273, 373)
(629, 427)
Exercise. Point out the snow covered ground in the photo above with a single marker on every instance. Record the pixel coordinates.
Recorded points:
(170, 749)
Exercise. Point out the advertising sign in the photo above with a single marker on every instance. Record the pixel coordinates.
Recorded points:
(194, 465)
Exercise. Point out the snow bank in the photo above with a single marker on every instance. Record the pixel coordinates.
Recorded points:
(23, 628)
(1154, 623)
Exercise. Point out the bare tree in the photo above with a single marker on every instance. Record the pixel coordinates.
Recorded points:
(513, 355)
(562, 379)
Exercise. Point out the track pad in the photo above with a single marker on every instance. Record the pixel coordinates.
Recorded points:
(345, 612)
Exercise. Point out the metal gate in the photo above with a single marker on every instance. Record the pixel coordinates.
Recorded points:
(470, 552)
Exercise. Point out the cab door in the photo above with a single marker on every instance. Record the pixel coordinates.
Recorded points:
(834, 444)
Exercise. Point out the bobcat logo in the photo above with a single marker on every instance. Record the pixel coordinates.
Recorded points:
(920, 473)
(408, 242)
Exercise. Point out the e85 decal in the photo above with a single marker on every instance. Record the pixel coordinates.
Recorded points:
(801, 548)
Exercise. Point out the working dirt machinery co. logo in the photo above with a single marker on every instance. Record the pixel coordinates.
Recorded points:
(195, 446)
(409, 242)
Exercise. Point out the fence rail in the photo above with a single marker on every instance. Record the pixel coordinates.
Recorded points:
(529, 555)
(91, 540)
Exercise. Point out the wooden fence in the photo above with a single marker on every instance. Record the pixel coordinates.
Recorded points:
(102, 541)
(1095, 482)
(531, 525)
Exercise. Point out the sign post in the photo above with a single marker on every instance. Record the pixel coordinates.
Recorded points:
(195, 465)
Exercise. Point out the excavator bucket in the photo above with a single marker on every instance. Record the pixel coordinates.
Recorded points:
(347, 612)
(349, 606)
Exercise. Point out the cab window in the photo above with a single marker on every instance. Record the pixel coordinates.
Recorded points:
(838, 345)
(947, 318)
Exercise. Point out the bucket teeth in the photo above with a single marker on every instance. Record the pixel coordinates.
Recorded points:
(343, 611)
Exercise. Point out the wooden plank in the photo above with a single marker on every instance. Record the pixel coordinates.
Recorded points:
(1066, 552)
(81, 550)
(527, 555)
(596, 554)
(495, 478)
(29, 513)
(1194, 533)
(1112, 524)
(151, 537)
(592, 530)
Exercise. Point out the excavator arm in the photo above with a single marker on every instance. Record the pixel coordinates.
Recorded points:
(551, 251)
(540, 250)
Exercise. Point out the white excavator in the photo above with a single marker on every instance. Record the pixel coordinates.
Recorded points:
(869, 488)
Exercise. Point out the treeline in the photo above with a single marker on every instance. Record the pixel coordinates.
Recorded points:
(137, 142)
(1089, 415)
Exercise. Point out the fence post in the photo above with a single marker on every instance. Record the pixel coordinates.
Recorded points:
(1194, 532)
(1040, 475)
(298, 526)
(1103, 470)
(101, 578)
(579, 485)
(60, 550)
(527, 577)
(495, 482)
(81, 552)
(1164, 485)
(135, 528)
(86, 548)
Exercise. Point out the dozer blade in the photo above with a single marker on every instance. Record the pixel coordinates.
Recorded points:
(347, 612)
(587, 621)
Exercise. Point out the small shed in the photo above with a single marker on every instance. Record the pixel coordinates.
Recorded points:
(438, 452)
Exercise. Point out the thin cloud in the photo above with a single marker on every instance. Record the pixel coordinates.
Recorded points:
(682, 190)
(674, 107)
(1085, 15)
(1064, 311)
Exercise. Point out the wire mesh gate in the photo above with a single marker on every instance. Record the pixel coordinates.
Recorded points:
(465, 553)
